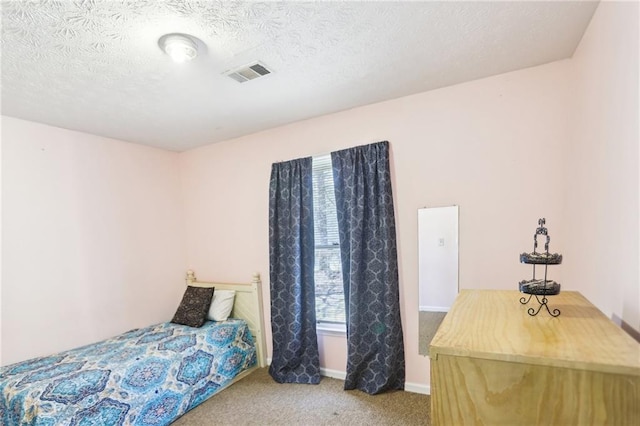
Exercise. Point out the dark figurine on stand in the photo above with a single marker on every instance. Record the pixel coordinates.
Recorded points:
(540, 287)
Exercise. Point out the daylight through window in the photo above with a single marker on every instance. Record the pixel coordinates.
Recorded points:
(328, 267)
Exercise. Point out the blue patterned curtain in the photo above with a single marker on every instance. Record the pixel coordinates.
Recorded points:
(375, 348)
(291, 256)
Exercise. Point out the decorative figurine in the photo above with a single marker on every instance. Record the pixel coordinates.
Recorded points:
(540, 287)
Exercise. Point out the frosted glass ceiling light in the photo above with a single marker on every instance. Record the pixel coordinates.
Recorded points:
(180, 47)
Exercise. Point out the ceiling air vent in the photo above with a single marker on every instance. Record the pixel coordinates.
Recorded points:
(248, 72)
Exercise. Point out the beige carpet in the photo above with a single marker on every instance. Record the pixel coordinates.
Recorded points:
(427, 327)
(258, 400)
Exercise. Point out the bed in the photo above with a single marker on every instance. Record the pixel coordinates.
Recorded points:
(147, 376)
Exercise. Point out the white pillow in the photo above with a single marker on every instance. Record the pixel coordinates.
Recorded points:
(221, 305)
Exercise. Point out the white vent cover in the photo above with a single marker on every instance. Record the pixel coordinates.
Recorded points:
(249, 72)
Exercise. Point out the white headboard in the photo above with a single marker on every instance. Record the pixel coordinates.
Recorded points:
(247, 305)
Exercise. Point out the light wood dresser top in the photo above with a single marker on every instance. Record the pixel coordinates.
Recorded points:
(493, 324)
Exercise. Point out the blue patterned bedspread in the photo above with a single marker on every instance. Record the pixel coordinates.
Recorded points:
(149, 376)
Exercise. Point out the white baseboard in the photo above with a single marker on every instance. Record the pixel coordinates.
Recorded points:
(334, 374)
(408, 387)
(417, 388)
(438, 309)
(341, 375)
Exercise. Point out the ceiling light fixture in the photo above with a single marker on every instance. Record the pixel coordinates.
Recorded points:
(180, 47)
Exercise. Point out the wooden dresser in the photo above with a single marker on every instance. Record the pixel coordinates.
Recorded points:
(494, 364)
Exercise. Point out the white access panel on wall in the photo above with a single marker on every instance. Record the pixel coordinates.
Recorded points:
(437, 257)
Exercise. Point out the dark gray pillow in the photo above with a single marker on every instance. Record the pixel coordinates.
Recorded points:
(194, 306)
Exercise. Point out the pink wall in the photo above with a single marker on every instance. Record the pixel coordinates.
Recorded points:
(602, 163)
(91, 226)
(484, 145)
(92, 238)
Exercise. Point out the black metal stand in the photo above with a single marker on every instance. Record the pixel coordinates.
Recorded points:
(543, 302)
(536, 287)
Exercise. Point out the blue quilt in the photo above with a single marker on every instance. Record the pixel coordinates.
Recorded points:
(148, 376)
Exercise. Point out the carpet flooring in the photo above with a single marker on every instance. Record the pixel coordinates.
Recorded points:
(427, 327)
(258, 400)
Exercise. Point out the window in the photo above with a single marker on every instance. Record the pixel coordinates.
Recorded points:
(328, 267)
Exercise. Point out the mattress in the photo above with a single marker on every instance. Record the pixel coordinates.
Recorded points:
(148, 376)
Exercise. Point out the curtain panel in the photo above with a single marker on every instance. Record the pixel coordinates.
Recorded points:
(291, 257)
(366, 224)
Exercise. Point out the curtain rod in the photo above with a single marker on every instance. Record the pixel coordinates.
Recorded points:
(329, 153)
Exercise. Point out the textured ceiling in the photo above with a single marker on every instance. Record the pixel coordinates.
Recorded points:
(95, 66)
